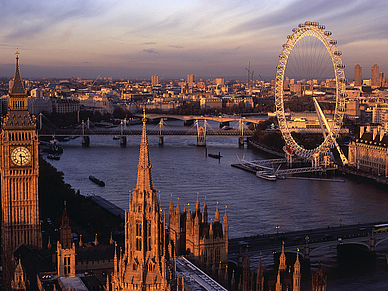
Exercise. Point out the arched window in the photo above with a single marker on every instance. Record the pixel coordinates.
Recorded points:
(149, 235)
(138, 235)
(218, 255)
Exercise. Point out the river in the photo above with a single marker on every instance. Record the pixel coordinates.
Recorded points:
(254, 206)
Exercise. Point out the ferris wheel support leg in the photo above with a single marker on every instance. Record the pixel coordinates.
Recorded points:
(289, 159)
(322, 116)
(241, 141)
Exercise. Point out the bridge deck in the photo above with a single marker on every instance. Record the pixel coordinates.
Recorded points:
(115, 132)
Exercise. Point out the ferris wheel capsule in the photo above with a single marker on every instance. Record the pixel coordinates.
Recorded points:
(338, 53)
(308, 23)
(333, 42)
(341, 66)
(321, 27)
(295, 29)
(314, 23)
(301, 25)
(327, 33)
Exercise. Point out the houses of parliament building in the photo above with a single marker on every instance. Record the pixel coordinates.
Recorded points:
(149, 255)
(148, 258)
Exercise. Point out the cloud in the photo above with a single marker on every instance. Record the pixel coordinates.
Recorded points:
(150, 51)
(34, 17)
(149, 43)
(176, 46)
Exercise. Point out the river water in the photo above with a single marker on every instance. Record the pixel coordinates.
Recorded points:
(254, 206)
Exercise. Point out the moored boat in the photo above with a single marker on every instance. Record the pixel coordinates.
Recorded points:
(216, 156)
(266, 175)
(97, 181)
(53, 157)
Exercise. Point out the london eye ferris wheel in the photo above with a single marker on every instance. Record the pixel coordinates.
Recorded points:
(310, 58)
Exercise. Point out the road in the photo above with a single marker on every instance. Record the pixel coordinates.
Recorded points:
(267, 243)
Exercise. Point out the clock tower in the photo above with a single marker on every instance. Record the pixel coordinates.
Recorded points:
(19, 177)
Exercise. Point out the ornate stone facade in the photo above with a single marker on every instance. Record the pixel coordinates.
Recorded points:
(65, 249)
(206, 244)
(369, 152)
(19, 178)
(145, 263)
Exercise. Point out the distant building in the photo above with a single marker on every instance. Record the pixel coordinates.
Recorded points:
(353, 108)
(210, 102)
(357, 75)
(219, 81)
(380, 115)
(369, 152)
(65, 105)
(190, 81)
(37, 93)
(154, 80)
(375, 76)
(382, 80)
(38, 105)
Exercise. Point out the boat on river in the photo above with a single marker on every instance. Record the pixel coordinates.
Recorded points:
(216, 156)
(266, 175)
(52, 147)
(97, 181)
(53, 157)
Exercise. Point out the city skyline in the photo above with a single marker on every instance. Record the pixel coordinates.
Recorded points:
(179, 38)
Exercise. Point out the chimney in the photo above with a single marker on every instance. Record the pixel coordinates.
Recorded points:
(362, 129)
(374, 133)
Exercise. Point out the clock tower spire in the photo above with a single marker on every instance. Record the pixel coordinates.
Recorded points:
(19, 171)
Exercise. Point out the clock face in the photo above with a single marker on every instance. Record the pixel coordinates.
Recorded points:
(20, 156)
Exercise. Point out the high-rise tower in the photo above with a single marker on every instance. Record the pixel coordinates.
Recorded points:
(154, 80)
(375, 76)
(19, 177)
(357, 75)
(144, 263)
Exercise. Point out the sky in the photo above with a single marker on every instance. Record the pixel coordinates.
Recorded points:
(172, 38)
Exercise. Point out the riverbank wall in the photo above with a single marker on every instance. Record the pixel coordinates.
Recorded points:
(264, 148)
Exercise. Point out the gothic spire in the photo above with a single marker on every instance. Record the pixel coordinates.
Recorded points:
(204, 212)
(17, 86)
(144, 174)
(197, 205)
(282, 259)
(65, 230)
(217, 214)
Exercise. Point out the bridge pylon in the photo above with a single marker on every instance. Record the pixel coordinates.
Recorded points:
(161, 137)
(201, 134)
(307, 249)
(372, 242)
(123, 138)
(241, 128)
(85, 138)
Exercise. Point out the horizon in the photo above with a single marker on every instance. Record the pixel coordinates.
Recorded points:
(209, 40)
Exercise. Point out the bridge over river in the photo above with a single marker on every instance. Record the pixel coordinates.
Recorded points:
(307, 241)
(87, 129)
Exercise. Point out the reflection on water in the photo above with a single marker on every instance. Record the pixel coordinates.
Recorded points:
(255, 206)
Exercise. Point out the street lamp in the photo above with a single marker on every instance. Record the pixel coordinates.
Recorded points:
(340, 221)
(277, 229)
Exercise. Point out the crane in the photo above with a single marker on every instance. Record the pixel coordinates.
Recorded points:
(96, 80)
